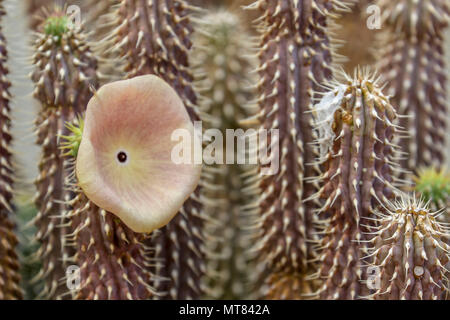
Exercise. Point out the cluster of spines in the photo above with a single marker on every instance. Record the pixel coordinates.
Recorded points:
(224, 77)
(113, 260)
(64, 71)
(415, 17)
(153, 37)
(412, 63)
(37, 9)
(9, 261)
(34, 9)
(357, 177)
(409, 253)
(295, 57)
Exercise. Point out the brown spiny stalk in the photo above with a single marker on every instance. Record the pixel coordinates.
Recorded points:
(64, 70)
(412, 63)
(355, 123)
(9, 262)
(36, 9)
(223, 68)
(99, 16)
(111, 257)
(153, 37)
(295, 57)
(409, 253)
(91, 10)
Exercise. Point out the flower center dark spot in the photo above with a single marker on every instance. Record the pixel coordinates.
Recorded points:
(122, 157)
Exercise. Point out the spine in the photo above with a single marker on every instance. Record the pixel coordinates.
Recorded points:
(112, 258)
(412, 63)
(409, 253)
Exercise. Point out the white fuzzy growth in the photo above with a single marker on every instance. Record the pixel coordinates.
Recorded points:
(324, 117)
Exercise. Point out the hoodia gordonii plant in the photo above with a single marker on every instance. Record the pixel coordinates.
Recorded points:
(9, 262)
(97, 16)
(409, 253)
(412, 63)
(434, 186)
(294, 58)
(356, 126)
(153, 37)
(126, 183)
(64, 70)
(224, 77)
(111, 257)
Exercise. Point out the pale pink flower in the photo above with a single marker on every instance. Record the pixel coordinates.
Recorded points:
(124, 161)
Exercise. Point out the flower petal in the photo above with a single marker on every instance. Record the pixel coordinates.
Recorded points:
(124, 161)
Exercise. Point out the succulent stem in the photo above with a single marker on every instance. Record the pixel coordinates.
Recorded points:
(111, 257)
(153, 37)
(65, 70)
(295, 57)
